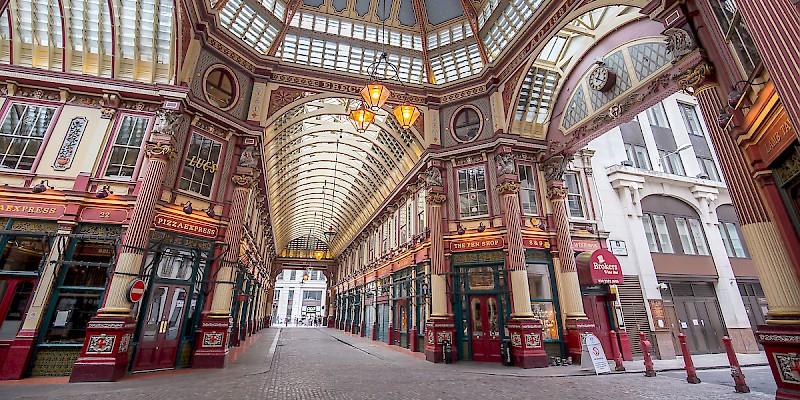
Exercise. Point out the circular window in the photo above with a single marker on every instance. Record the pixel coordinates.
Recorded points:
(466, 124)
(221, 87)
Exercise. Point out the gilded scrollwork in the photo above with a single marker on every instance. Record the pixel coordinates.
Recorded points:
(160, 150)
(694, 76)
(435, 198)
(243, 180)
(508, 187)
(557, 193)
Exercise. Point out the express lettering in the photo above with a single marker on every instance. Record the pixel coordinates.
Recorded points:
(27, 209)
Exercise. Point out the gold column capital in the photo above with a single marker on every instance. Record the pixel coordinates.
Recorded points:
(160, 150)
(435, 198)
(556, 193)
(508, 187)
(243, 180)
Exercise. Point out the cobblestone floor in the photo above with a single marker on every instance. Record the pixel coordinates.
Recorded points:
(321, 363)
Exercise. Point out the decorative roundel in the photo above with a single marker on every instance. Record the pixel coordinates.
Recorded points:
(466, 124)
(602, 78)
(221, 87)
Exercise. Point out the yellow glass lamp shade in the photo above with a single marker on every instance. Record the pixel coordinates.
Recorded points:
(318, 254)
(361, 118)
(406, 114)
(375, 95)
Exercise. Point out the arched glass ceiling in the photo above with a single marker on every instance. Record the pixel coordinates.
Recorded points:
(322, 174)
(78, 36)
(432, 41)
(556, 60)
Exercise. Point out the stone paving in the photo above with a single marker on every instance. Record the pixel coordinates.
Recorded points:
(322, 363)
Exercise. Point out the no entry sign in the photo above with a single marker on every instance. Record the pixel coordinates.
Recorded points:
(136, 291)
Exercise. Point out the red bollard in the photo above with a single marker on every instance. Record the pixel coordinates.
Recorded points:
(616, 353)
(648, 361)
(736, 369)
(691, 371)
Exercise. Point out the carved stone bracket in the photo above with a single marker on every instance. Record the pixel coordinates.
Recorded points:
(555, 166)
(435, 198)
(168, 122)
(160, 150)
(694, 77)
(243, 180)
(508, 187)
(679, 43)
(433, 177)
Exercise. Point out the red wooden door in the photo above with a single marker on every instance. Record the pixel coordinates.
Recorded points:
(485, 325)
(596, 309)
(161, 330)
(15, 294)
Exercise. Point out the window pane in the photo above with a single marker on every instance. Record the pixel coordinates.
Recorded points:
(725, 240)
(10, 325)
(683, 232)
(72, 312)
(649, 233)
(22, 253)
(201, 165)
(539, 281)
(527, 191)
(736, 242)
(574, 196)
(663, 234)
(472, 192)
(127, 146)
(699, 237)
(21, 134)
(691, 119)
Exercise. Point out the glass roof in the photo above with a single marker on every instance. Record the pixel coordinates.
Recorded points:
(349, 35)
(322, 174)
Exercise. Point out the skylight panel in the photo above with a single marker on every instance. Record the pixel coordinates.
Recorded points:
(536, 95)
(456, 64)
(508, 25)
(244, 22)
(486, 12)
(552, 50)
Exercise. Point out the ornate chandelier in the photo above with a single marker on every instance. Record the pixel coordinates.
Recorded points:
(375, 93)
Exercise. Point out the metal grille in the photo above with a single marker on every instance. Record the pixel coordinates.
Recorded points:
(634, 312)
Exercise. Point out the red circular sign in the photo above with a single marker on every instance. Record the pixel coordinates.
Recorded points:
(136, 291)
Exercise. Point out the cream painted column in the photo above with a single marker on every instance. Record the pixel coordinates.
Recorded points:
(223, 287)
(567, 278)
(160, 151)
(520, 291)
(436, 200)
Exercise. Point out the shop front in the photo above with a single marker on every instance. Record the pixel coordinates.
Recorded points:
(481, 304)
(402, 306)
(168, 315)
(597, 271)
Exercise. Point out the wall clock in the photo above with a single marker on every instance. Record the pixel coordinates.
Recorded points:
(602, 78)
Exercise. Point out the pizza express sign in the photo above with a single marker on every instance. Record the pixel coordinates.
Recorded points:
(186, 227)
(598, 267)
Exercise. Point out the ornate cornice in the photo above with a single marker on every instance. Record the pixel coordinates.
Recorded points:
(695, 76)
(508, 187)
(435, 198)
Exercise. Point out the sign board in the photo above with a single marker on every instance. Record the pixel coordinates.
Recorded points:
(31, 210)
(535, 243)
(777, 137)
(659, 314)
(136, 291)
(490, 243)
(585, 245)
(311, 309)
(598, 267)
(618, 247)
(592, 354)
(103, 215)
(425, 291)
(195, 228)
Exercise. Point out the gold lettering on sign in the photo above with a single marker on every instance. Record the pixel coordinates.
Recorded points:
(205, 165)
(778, 135)
(477, 244)
(27, 209)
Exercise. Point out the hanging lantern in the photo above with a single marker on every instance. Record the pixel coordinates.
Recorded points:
(406, 114)
(361, 118)
(375, 95)
(319, 254)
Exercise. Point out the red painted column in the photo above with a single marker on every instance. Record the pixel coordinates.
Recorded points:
(105, 352)
(440, 327)
(569, 292)
(211, 346)
(525, 331)
(774, 26)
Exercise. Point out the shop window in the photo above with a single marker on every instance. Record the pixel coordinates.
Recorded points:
(22, 254)
(127, 146)
(472, 192)
(541, 288)
(481, 278)
(637, 155)
(527, 192)
(575, 203)
(176, 264)
(709, 168)
(691, 119)
(736, 34)
(17, 293)
(201, 165)
(22, 133)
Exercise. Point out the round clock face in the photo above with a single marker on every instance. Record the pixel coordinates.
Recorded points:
(602, 79)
